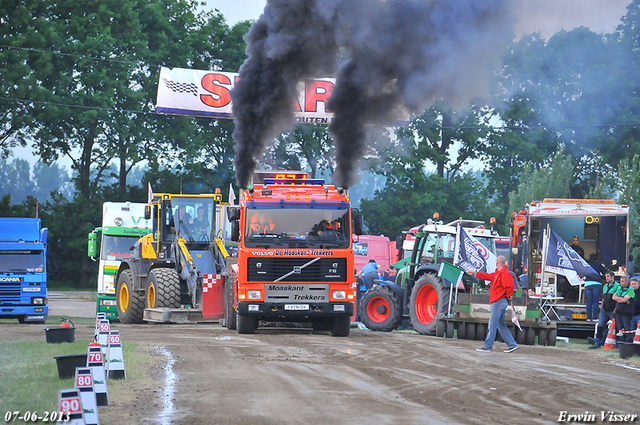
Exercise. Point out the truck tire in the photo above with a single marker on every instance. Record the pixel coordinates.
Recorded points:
(481, 331)
(380, 309)
(521, 336)
(531, 336)
(246, 324)
(130, 304)
(163, 289)
(429, 298)
(462, 331)
(552, 338)
(229, 306)
(470, 331)
(341, 326)
(450, 329)
(543, 336)
(440, 328)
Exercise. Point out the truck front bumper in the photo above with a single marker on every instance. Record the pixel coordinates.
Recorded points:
(297, 311)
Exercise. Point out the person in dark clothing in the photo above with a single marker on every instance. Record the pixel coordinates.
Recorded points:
(623, 311)
(606, 312)
(636, 304)
(576, 246)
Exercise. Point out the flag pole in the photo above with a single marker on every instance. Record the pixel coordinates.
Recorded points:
(545, 251)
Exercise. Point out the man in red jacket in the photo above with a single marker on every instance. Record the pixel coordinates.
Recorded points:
(502, 287)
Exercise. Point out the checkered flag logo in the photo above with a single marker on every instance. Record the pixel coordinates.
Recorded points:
(181, 87)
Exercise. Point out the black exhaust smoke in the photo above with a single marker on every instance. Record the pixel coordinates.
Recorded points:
(399, 56)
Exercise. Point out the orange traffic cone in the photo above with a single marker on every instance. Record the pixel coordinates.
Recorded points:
(636, 339)
(610, 342)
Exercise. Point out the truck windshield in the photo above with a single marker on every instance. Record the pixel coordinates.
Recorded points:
(27, 261)
(298, 227)
(116, 247)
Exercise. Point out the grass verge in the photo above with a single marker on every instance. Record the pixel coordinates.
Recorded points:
(29, 374)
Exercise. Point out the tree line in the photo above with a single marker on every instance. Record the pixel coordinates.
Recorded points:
(80, 84)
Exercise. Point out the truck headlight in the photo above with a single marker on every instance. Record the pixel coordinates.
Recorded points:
(254, 295)
(37, 300)
(108, 302)
(339, 295)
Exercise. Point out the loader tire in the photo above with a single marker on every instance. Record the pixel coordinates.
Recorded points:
(380, 309)
(246, 324)
(229, 306)
(130, 304)
(341, 326)
(429, 298)
(163, 289)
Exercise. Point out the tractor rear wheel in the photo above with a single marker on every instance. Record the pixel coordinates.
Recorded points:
(229, 306)
(380, 309)
(163, 289)
(428, 298)
(130, 304)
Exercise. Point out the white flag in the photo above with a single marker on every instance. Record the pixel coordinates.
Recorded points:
(150, 195)
(232, 196)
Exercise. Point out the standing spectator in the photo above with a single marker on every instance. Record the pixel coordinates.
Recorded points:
(370, 272)
(576, 246)
(624, 309)
(606, 312)
(502, 287)
(636, 305)
(593, 288)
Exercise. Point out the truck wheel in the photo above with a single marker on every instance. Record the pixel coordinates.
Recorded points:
(543, 336)
(246, 324)
(341, 326)
(462, 331)
(322, 325)
(129, 303)
(470, 331)
(481, 331)
(380, 309)
(428, 298)
(163, 289)
(229, 307)
(531, 336)
(521, 336)
(552, 338)
(440, 328)
(450, 329)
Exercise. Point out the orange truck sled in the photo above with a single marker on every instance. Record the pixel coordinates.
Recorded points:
(295, 258)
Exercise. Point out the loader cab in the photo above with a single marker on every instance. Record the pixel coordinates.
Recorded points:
(191, 217)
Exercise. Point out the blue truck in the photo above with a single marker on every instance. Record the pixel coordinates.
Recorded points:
(23, 270)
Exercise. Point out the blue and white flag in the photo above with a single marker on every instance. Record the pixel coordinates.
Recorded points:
(562, 259)
(472, 255)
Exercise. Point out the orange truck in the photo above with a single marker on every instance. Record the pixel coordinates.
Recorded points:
(295, 257)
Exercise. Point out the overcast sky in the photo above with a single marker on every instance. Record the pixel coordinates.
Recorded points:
(546, 16)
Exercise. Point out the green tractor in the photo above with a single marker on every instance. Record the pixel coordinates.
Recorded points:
(418, 295)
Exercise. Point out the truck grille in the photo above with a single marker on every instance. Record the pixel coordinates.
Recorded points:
(297, 270)
(9, 293)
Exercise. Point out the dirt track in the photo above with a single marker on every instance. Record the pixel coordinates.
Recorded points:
(296, 376)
